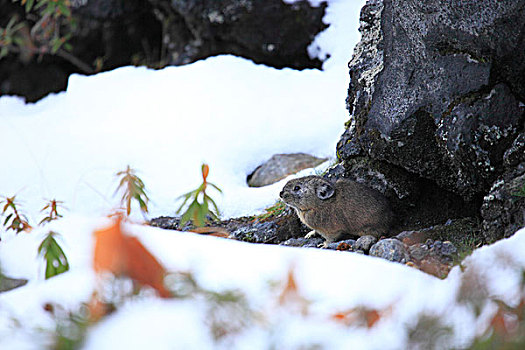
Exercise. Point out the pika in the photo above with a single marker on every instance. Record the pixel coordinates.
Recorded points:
(338, 209)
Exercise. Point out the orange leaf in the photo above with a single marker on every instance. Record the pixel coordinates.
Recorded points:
(109, 250)
(498, 323)
(205, 171)
(360, 316)
(290, 289)
(372, 316)
(121, 254)
(144, 268)
(346, 317)
(291, 296)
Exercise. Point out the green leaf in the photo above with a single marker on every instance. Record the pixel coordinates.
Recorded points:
(214, 186)
(64, 9)
(50, 269)
(50, 9)
(7, 218)
(56, 45)
(10, 24)
(29, 5)
(188, 214)
(204, 206)
(142, 204)
(187, 196)
(213, 203)
(199, 216)
(44, 220)
(3, 52)
(56, 260)
(39, 4)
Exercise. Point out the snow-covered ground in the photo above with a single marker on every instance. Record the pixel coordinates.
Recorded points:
(232, 114)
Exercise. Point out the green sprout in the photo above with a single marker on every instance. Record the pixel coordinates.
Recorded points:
(14, 219)
(133, 188)
(198, 212)
(53, 214)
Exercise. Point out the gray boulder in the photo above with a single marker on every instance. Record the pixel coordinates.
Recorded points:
(280, 166)
(390, 249)
(436, 97)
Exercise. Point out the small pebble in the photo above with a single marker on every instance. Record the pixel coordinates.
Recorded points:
(364, 243)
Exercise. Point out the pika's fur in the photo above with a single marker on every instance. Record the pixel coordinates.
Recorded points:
(335, 210)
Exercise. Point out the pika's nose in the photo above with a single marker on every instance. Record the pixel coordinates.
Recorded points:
(281, 194)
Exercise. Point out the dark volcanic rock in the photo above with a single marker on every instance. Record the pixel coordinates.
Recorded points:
(460, 232)
(270, 32)
(115, 33)
(503, 208)
(436, 100)
(274, 229)
(304, 242)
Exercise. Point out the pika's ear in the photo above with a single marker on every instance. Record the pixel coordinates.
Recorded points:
(324, 191)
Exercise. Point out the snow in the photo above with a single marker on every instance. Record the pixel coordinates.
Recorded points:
(232, 114)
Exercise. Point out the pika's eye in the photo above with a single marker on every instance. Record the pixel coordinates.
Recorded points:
(296, 188)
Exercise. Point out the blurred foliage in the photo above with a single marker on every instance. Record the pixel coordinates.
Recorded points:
(198, 212)
(46, 29)
(133, 188)
(9, 37)
(14, 220)
(49, 249)
(71, 332)
(56, 260)
(428, 333)
(52, 206)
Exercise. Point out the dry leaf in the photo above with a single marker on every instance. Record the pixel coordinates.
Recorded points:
(291, 296)
(372, 316)
(360, 316)
(121, 254)
(290, 289)
(212, 231)
(498, 323)
(506, 320)
(344, 246)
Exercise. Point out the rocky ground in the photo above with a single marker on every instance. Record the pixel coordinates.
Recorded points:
(429, 250)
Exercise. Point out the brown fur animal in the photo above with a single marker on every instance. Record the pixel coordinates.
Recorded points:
(336, 210)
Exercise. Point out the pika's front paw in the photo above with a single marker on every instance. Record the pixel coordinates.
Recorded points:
(323, 245)
(310, 234)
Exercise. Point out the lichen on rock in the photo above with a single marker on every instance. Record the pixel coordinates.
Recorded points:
(436, 102)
